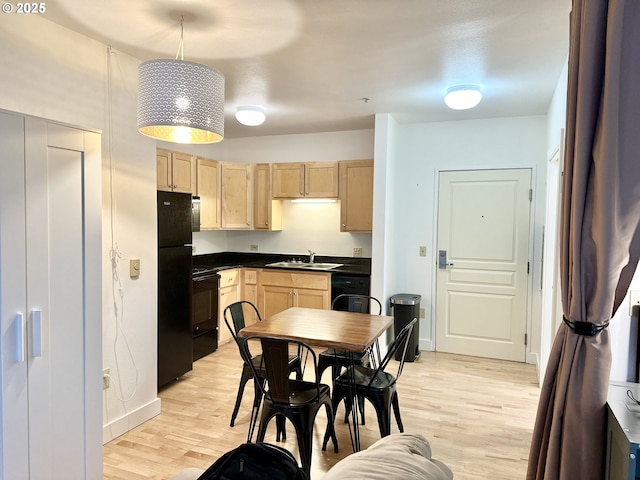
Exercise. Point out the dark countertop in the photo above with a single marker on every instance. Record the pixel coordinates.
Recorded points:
(225, 260)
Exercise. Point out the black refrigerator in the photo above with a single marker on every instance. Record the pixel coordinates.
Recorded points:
(175, 351)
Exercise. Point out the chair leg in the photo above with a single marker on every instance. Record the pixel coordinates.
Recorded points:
(281, 431)
(304, 434)
(244, 378)
(330, 432)
(396, 411)
(335, 371)
(361, 407)
(255, 409)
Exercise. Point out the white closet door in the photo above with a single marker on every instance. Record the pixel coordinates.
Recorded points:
(55, 287)
(14, 422)
(50, 273)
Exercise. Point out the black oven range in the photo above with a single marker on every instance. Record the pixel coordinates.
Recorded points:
(204, 312)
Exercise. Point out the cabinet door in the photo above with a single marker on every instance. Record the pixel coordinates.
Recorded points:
(267, 213)
(181, 172)
(356, 196)
(288, 180)
(250, 294)
(208, 189)
(228, 295)
(163, 170)
(311, 298)
(321, 180)
(236, 196)
(275, 299)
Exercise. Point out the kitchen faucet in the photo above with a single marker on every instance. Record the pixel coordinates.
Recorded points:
(312, 256)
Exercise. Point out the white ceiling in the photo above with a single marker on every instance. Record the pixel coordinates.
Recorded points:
(310, 63)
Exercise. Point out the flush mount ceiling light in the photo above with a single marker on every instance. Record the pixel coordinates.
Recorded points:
(250, 115)
(463, 97)
(180, 101)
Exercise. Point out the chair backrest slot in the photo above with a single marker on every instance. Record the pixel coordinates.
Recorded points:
(356, 303)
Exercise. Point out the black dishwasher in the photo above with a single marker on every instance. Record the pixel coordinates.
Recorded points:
(348, 284)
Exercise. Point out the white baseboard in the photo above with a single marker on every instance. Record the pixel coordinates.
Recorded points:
(426, 345)
(534, 359)
(128, 422)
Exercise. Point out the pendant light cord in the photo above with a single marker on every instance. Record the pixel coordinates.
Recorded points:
(180, 52)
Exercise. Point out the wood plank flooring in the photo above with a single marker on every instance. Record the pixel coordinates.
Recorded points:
(478, 415)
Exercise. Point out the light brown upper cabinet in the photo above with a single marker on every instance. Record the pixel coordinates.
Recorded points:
(208, 189)
(312, 180)
(174, 171)
(356, 196)
(267, 213)
(236, 196)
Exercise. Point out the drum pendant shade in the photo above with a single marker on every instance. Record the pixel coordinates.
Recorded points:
(180, 101)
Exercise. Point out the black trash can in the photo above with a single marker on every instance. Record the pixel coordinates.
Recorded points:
(406, 307)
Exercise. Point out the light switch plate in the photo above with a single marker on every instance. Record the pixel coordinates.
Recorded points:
(634, 299)
(254, 248)
(134, 268)
(423, 251)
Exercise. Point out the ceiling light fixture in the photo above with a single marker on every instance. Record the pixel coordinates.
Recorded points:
(463, 97)
(250, 115)
(180, 101)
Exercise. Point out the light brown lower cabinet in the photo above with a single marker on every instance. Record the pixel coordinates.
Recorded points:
(279, 290)
(228, 294)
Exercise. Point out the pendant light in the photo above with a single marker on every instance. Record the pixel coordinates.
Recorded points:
(180, 101)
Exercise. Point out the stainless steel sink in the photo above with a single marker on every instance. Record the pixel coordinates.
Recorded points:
(305, 265)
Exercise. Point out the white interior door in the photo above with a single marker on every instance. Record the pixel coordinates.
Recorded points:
(482, 284)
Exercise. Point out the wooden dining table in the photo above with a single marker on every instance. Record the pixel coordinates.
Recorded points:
(350, 331)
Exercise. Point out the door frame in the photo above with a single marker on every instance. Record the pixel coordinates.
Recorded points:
(530, 357)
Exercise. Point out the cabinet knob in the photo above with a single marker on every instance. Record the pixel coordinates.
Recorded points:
(344, 224)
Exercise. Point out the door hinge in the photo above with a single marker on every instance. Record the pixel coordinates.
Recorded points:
(531, 194)
(525, 339)
(528, 267)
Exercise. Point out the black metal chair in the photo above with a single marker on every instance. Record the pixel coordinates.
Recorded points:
(236, 311)
(296, 400)
(376, 385)
(337, 359)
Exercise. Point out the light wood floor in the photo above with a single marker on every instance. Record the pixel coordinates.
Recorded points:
(477, 414)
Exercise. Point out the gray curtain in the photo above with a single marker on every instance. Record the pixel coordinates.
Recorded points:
(599, 238)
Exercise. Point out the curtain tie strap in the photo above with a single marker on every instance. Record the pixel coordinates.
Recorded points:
(587, 329)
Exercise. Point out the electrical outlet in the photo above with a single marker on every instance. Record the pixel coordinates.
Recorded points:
(106, 379)
(254, 248)
(423, 251)
(422, 313)
(357, 251)
(634, 300)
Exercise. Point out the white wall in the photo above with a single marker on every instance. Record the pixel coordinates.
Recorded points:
(51, 72)
(383, 265)
(420, 151)
(556, 117)
(305, 227)
(623, 327)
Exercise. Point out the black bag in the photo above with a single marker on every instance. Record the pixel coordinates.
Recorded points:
(255, 461)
